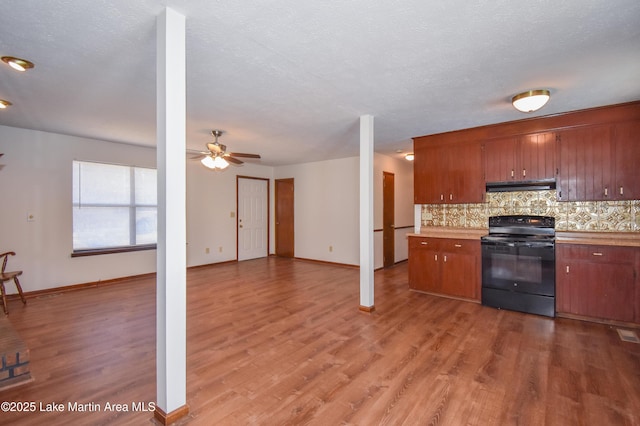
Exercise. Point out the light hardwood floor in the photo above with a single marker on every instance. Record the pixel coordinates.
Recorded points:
(282, 342)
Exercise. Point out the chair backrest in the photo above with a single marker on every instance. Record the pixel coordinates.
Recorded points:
(5, 257)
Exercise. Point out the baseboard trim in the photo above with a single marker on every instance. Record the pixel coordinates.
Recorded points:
(367, 309)
(346, 265)
(172, 417)
(101, 283)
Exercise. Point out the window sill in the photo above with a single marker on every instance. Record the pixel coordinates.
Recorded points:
(95, 252)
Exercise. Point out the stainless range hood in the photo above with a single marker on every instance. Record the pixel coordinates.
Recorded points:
(529, 185)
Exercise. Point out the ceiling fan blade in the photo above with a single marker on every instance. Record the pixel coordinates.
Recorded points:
(240, 154)
(232, 160)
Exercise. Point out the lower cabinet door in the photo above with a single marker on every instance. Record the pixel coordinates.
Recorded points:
(460, 275)
(597, 290)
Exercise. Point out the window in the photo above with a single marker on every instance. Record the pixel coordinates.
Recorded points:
(114, 207)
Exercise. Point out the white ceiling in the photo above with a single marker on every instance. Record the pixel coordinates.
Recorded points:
(288, 79)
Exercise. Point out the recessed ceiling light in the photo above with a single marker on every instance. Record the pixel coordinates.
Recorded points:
(17, 63)
(4, 104)
(409, 157)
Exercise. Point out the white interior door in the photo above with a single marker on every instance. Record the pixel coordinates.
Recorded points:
(252, 218)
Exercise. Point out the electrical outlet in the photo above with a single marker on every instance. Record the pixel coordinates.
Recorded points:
(220, 249)
(330, 248)
(206, 250)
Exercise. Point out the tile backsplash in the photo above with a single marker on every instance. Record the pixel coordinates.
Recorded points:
(600, 216)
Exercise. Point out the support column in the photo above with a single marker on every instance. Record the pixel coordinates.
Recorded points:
(366, 213)
(171, 282)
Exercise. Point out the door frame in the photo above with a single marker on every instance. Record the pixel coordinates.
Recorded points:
(238, 177)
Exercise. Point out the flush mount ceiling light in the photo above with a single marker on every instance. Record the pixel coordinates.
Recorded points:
(531, 100)
(409, 157)
(17, 64)
(4, 104)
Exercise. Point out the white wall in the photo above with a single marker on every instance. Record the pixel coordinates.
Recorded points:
(211, 210)
(403, 204)
(326, 209)
(36, 176)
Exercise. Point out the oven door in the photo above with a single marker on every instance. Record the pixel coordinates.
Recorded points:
(520, 266)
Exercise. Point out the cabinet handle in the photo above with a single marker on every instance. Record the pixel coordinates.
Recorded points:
(621, 191)
(512, 173)
(606, 192)
(441, 197)
(450, 197)
(435, 257)
(458, 245)
(423, 243)
(567, 269)
(445, 258)
(597, 254)
(524, 172)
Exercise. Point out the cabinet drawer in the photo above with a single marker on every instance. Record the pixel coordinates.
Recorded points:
(424, 242)
(417, 242)
(594, 253)
(461, 246)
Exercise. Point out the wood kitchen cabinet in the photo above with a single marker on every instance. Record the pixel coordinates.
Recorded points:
(598, 282)
(585, 164)
(599, 163)
(445, 266)
(626, 137)
(520, 158)
(448, 173)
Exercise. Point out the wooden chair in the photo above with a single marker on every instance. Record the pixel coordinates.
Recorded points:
(7, 276)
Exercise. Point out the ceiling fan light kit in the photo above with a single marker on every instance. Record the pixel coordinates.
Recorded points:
(531, 100)
(4, 104)
(217, 157)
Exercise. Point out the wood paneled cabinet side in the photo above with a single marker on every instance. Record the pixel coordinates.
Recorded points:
(598, 282)
(520, 158)
(450, 267)
(448, 172)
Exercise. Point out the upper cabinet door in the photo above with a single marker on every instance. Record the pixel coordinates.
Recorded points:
(465, 184)
(585, 166)
(521, 158)
(627, 160)
(429, 173)
(448, 173)
(537, 156)
(500, 159)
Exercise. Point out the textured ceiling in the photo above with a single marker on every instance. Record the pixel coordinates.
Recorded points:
(289, 79)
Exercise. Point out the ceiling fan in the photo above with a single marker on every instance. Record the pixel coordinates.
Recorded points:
(217, 156)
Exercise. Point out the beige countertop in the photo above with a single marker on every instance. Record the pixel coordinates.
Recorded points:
(444, 232)
(631, 239)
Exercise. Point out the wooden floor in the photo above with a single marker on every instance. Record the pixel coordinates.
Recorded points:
(282, 342)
